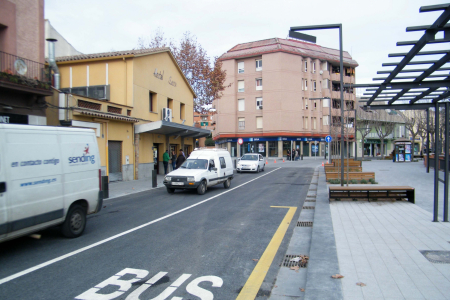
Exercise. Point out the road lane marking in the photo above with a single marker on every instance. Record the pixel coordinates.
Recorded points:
(52, 261)
(256, 278)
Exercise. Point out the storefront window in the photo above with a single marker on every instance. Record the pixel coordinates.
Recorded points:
(233, 151)
(273, 149)
(286, 147)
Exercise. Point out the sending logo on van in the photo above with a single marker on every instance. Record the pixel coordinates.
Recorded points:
(85, 158)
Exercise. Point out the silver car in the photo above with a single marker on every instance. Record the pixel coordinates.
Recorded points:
(251, 162)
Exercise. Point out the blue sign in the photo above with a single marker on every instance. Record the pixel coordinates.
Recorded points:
(328, 138)
(314, 148)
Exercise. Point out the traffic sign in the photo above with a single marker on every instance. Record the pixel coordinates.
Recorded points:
(328, 138)
(314, 148)
(240, 141)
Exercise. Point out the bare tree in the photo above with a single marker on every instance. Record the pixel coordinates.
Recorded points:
(364, 125)
(384, 125)
(206, 77)
(412, 119)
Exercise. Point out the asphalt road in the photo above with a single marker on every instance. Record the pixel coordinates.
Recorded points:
(179, 246)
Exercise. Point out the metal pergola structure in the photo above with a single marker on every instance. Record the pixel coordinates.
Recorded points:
(423, 88)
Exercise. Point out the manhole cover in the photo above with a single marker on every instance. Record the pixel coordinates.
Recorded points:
(299, 260)
(304, 224)
(437, 257)
(309, 207)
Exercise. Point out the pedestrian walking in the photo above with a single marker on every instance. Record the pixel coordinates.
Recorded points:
(174, 160)
(180, 159)
(297, 155)
(289, 155)
(166, 158)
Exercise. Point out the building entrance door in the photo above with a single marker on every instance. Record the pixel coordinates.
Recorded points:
(115, 160)
(305, 149)
(156, 154)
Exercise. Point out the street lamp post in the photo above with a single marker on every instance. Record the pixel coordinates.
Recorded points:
(293, 33)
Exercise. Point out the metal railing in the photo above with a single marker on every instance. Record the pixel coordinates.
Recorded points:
(13, 68)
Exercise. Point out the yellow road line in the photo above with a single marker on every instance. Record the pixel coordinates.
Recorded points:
(255, 280)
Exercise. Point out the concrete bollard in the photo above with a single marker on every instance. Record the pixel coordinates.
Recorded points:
(154, 179)
(105, 187)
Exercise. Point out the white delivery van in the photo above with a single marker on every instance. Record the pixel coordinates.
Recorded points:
(203, 168)
(48, 176)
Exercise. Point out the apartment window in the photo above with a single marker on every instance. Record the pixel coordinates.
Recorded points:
(315, 104)
(326, 102)
(259, 103)
(303, 84)
(170, 103)
(259, 65)
(314, 124)
(241, 104)
(258, 84)
(306, 103)
(152, 101)
(325, 120)
(326, 83)
(259, 122)
(306, 123)
(241, 86)
(314, 67)
(314, 86)
(303, 103)
(182, 111)
(241, 123)
(241, 67)
(306, 84)
(306, 65)
(321, 123)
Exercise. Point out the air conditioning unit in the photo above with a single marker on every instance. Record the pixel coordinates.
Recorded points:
(166, 114)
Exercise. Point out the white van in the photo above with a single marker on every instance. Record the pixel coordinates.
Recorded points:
(203, 168)
(48, 176)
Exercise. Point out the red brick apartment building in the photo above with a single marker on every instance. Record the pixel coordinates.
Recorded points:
(267, 104)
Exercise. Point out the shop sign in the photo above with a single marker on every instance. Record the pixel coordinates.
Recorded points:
(159, 75)
(13, 119)
(171, 82)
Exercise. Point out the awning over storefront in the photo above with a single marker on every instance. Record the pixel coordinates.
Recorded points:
(172, 129)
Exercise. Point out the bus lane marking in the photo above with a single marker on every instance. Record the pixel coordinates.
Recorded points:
(256, 278)
(70, 254)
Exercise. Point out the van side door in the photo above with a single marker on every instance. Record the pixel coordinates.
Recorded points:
(35, 193)
(213, 170)
(3, 190)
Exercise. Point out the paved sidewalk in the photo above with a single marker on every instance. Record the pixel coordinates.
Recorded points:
(123, 188)
(383, 246)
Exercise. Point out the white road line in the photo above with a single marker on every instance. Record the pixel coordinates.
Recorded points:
(47, 263)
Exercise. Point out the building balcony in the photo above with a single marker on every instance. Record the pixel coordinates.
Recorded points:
(336, 77)
(24, 75)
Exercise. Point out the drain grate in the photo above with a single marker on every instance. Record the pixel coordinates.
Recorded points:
(437, 257)
(304, 224)
(309, 207)
(291, 261)
(308, 200)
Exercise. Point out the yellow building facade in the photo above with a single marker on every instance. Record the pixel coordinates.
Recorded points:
(138, 102)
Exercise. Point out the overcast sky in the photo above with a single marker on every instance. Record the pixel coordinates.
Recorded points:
(370, 28)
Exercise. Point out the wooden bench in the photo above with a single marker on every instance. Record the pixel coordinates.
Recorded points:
(351, 163)
(338, 169)
(372, 192)
(351, 175)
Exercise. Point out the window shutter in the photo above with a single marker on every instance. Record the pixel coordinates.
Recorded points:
(241, 104)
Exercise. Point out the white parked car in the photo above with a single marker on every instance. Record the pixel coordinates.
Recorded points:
(202, 169)
(251, 162)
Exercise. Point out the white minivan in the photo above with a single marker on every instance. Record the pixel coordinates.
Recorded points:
(48, 176)
(202, 169)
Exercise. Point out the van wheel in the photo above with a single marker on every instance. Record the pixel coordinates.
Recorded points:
(201, 189)
(227, 183)
(75, 222)
(170, 191)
